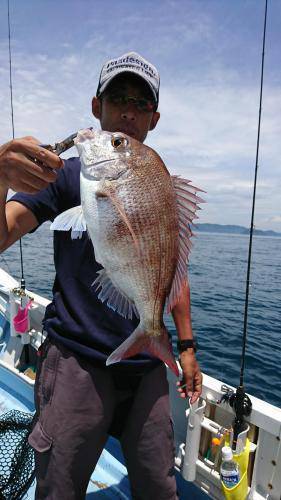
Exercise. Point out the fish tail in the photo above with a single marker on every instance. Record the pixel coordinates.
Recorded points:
(139, 341)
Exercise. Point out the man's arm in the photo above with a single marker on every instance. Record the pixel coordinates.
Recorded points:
(19, 172)
(15, 221)
(192, 377)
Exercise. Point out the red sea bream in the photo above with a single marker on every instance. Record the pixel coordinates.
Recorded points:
(138, 217)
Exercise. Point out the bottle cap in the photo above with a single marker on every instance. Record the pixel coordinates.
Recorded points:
(216, 441)
(227, 453)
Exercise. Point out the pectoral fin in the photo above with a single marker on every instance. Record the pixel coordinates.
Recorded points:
(106, 191)
(70, 219)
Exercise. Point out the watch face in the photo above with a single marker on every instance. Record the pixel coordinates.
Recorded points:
(183, 345)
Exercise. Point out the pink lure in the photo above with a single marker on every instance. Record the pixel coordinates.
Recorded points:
(21, 319)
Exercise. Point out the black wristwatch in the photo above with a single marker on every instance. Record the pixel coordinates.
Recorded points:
(183, 345)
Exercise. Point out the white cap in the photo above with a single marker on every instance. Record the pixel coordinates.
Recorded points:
(130, 62)
(227, 453)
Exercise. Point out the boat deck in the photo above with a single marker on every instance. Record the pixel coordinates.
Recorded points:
(110, 479)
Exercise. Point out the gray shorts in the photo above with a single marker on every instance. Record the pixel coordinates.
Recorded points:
(78, 405)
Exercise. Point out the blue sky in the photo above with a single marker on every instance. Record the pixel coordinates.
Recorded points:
(208, 53)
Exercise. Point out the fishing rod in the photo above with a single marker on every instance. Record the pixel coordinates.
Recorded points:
(239, 400)
(22, 281)
(58, 148)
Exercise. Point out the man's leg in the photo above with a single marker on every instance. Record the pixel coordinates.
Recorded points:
(75, 403)
(148, 441)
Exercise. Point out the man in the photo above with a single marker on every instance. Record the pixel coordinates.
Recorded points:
(80, 401)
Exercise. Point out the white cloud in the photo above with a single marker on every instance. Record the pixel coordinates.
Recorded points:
(276, 218)
(209, 134)
(208, 126)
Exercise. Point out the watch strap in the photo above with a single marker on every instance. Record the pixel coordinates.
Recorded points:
(183, 345)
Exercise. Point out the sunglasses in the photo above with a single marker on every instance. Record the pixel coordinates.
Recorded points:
(141, 103)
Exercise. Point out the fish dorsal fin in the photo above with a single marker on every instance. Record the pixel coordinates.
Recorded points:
(114, 298)
(187, 204)
(70, 219)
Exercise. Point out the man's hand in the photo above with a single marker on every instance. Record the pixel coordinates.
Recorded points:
(27, 167)
(191, 384)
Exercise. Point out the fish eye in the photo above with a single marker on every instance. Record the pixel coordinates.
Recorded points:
(118, 142)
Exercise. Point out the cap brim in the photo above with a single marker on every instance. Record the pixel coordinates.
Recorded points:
(105, 84)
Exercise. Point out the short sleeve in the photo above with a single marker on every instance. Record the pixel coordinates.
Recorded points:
(60, 195)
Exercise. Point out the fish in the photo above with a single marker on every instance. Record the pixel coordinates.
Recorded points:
(138, 218)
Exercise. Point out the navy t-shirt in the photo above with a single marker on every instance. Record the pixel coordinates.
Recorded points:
(76, 317)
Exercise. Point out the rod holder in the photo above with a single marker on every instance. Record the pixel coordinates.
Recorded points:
(195, 416)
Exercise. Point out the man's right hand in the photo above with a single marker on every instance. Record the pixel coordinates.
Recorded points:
(27, 167)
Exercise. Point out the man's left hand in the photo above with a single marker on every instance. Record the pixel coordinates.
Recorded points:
(191, 383)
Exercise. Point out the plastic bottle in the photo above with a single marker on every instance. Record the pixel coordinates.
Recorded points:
(229, 470)
(215, 446)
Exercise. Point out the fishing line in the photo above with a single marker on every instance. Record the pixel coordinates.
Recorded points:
(240, 402)
(253, 211)
(13, 125)
(10, 67)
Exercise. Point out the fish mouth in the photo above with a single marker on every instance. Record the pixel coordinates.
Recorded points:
(93, 177)
(103, 161)
(115, 177)
(91, 170)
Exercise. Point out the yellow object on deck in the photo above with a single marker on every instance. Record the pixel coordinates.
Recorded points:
(240, 491)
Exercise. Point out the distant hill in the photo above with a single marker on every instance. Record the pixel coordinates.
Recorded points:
(231, 229)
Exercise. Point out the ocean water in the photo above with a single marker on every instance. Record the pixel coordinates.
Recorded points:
(218, 280)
